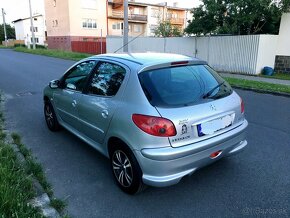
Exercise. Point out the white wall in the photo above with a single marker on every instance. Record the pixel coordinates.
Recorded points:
(22, 30)
(266, 51)
(230, 53)
(179, 45)
(19, 30)
(152, 20)
(283, 47)
(236, 54)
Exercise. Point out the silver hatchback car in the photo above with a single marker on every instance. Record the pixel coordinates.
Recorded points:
(158, 117)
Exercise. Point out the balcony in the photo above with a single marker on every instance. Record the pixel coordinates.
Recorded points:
(176, 21)
(132, 17)
(116, 3)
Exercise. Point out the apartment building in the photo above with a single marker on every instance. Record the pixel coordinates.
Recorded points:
(23, 29)
(82, 25)
(143, 17)
(76, 25)
(137, 18)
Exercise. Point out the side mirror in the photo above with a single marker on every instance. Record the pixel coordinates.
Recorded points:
(54, 84)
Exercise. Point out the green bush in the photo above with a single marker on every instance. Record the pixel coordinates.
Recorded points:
(40, 46)
(19, 45)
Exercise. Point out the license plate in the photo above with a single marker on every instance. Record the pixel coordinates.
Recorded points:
(210, 127)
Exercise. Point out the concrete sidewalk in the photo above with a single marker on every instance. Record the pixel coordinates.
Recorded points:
(256, 78)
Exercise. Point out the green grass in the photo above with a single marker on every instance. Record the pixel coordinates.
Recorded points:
(32, 167)
(55, 53)
(3, 46)
(59, 205)
(260, 86)
(16, 187)
(283, 76)
(16, 180)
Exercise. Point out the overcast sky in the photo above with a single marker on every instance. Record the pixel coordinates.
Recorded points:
(16, 9)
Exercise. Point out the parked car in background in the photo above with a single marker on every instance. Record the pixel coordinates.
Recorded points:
(158, 117)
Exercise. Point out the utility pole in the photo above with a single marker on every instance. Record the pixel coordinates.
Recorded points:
(4, 24)
(32, 27)
(125, 27)
(101, 41)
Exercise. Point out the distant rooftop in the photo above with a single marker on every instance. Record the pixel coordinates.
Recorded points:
(36, 15)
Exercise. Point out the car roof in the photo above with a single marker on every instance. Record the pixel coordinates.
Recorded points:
(149, 58)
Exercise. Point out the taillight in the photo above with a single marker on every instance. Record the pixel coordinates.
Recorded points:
(242, 106)
(156, 126)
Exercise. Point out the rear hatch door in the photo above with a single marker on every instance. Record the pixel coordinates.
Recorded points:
(202, 121)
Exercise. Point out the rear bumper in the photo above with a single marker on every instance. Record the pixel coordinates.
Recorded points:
(167, 166)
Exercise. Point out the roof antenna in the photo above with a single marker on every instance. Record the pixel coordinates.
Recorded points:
(130, 41)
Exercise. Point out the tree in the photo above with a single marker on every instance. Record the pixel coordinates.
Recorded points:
(241, 17)
(166, 29)
(9, 30)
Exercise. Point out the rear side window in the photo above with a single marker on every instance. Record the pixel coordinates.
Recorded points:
(107, 79)
(182, 86)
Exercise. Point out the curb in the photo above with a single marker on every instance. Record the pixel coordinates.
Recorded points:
(42, 201)
(262, 91)
(249, 76)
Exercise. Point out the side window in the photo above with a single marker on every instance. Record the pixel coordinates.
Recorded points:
(76, 77)
(107, 80)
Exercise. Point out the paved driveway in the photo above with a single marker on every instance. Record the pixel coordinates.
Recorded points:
(253, 183)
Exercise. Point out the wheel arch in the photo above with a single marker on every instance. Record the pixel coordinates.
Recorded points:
(113, 141)
(45, 98)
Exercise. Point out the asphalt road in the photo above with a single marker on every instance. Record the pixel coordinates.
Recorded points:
(254, 183)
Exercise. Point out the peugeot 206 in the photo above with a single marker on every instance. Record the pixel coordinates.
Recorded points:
(157, 117)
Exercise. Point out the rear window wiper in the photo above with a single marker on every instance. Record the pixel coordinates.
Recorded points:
(206, 95)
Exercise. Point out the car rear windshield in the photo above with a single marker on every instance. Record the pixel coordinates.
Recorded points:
(182, 85)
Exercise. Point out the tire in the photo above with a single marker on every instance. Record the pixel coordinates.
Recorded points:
(126, 170)
(50, 117)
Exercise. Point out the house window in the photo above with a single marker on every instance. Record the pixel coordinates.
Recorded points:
(94, 22)
(137, 28)
(155, 12)
(117, 26)
(35, 29)
(174, 15)
(89, 23)
(153, 28)
(54, 3)
(35, 19)
(36, 40)
(137, 11)
(54, 23)
(85, 25)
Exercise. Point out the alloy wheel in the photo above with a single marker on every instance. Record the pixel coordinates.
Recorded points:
(122, 168)
(49, 115)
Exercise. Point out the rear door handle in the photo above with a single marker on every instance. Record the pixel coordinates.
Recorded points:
(74, 103)
(105, 113)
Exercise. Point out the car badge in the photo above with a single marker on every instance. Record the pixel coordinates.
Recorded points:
(183, 129)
